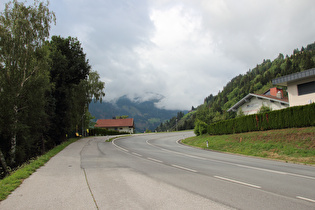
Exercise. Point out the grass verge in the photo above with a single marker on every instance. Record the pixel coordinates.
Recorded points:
(11, 182)
(292, 145)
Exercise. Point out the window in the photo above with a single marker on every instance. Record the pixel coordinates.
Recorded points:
(306, 88)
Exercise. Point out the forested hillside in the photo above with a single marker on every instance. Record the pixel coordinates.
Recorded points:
(257, 80)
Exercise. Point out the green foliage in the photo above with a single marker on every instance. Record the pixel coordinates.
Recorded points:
(200, 127)
(258, 80)
(264, 109)
(176, 123)
(297, 116)
(69, 72)
(294, 144)
(240, 113)
(104, 132)
(24, 77)
(45, 87)
(122, 117)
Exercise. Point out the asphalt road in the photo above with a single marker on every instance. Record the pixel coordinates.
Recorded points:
(236, 181)
(154, 171)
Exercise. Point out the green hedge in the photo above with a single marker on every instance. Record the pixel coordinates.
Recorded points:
(104, 132)
(297, 116)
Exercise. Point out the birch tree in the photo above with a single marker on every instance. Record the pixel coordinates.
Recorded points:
(23, 31)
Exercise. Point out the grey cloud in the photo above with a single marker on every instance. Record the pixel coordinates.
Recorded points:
(220, 40)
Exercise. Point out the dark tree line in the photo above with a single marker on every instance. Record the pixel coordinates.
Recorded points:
(45, 86)
(177, 123)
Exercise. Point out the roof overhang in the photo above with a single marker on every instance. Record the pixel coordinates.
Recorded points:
(250, 96)
(283, 81)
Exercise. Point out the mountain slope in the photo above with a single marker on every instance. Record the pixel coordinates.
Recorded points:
(258, 80)
(145, 114)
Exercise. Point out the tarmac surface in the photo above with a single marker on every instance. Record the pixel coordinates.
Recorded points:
(83, 177)
(60, 184)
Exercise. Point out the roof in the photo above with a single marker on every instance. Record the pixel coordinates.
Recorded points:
(283, 81)
(251, 95)
(110, 123)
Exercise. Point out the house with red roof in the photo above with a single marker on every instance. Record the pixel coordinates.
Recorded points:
(121, 125)
(252, 103)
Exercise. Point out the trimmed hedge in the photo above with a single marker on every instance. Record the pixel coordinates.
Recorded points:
(104, 132)
(297, 116)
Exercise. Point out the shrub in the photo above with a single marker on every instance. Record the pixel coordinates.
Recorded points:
(104, 132)
(297, 116)
(200, 128)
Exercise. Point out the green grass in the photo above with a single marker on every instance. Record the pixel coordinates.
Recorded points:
(291, 145)
(11, 182)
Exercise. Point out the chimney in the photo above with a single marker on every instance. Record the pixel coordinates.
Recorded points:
(279, 94)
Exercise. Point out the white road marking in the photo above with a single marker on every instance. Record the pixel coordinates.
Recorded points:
(239, 165)
(137, 154)
(113, 142)
(306, 199)
(184, 168)
(302, 176)
(200, 158)
(238, 182)
(159, 161)
(147, 141)
(262, 169)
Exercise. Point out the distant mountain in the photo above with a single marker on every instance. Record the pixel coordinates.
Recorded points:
(145, 114)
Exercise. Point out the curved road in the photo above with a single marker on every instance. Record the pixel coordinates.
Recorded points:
(154, 171)
(236, 181)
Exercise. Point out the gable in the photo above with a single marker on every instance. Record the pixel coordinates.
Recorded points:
(248, 98)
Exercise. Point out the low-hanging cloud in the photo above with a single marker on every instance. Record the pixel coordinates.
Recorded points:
(181, 51)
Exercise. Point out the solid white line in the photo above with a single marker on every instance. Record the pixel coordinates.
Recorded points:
(147, 141)
(277, 172)
(187, 169)
(238, 182)
(302, 176)
(192, 156)
(137, 154)
(113, 142)
(306, 199)
(159, 161)
(262, 169)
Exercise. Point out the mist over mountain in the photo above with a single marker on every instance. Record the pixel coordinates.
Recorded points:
(143, 109)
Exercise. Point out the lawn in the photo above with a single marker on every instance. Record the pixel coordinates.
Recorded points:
(291, 145)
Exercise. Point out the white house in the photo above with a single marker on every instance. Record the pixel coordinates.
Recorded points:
(301, 87)
(252, 103)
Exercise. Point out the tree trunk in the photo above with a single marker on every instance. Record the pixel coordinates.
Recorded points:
(43, 145)
(13, 138)
(3, 163)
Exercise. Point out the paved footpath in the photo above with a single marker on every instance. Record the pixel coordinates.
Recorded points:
(60, 184)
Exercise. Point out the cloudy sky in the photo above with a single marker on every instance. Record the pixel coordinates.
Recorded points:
(183, 50)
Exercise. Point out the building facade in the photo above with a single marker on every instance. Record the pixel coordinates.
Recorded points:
(300, 87)
(252, 103)
(121, 125)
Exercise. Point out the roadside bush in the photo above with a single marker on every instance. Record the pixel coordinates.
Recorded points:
(200, 128)
(297, 116)
(104, 132)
